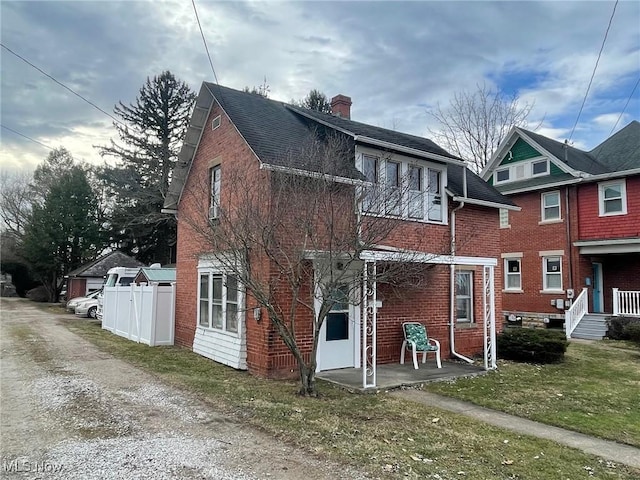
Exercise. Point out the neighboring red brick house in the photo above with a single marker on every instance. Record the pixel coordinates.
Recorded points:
(243, 132)
(578, 228)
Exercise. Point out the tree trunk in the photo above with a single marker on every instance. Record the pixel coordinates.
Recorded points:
(307, 381)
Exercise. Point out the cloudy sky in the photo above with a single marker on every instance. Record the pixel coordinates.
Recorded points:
(395, 59)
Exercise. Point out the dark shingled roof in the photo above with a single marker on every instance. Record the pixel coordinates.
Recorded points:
(378, 133)
(620, 151)
(575, 158)
(100, 266)
(277, 133)
(477, 188)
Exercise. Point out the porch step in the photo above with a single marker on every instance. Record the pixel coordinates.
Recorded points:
(591, 327)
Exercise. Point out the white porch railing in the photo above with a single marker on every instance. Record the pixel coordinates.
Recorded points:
(578, 309)
(626, 303)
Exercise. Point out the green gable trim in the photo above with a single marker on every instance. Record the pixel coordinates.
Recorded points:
(554, 170)
(520, 150)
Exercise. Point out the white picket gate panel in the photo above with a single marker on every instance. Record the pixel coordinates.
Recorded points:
(141, 313)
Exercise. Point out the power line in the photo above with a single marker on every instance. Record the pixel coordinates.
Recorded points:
(195, 10)
(604, 40)
(61, 84)
(27, 137)
(625, 106)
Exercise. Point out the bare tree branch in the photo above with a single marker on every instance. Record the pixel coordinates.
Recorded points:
(474, 123)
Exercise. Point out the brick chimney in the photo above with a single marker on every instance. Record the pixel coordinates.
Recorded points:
(341, 106)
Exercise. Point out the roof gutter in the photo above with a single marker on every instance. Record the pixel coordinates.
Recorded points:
(316, 175)
(484, 203)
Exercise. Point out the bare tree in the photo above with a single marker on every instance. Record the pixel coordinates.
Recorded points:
(16, 195)
(295, 241)
(474, 123)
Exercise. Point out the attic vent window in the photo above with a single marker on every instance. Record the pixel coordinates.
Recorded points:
(215, 123)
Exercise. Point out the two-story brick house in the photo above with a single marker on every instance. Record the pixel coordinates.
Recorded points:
(578, 228)
(238, 139)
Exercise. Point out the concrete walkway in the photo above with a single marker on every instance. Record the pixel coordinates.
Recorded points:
(613, 451)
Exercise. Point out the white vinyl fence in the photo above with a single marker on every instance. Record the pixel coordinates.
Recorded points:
(142, 313)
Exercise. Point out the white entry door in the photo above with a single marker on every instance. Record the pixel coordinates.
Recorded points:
(336, 346)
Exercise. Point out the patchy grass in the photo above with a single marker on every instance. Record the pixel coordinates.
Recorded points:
(387, 436)
(596, 391)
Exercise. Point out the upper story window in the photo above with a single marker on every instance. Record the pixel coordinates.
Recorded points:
(612, 198)
(392, 185)
(214, 204)
(435, 195)
(504, 218)
(550, 206)
(403, 189)
(521, 170)
(416, 192)
(370, 170)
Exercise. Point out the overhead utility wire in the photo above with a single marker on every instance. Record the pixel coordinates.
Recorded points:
(195, 10)
(625, 106)
(604, 40)
(26, 136)
(61, 84)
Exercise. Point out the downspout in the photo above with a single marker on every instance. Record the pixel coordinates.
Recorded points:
(566, 206)
(452, 278)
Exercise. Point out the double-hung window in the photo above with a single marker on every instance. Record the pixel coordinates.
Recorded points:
(612, 198)
(552, 273)
(435, 195)
(416, 198)
(464, 296)
(214, 204)
(371, 200)
(218, 301)
(512, 274)
(550, 206)
(393, 194)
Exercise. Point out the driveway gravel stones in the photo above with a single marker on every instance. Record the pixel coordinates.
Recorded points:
(69, 410)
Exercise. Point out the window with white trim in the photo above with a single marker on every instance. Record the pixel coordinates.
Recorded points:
(539, 168)
(392, 188)
(416, 194)
(464, 296)
(434, 203)
(522, 170)
(219, 295)
(403, 189)
(612, 198)
(504, 218)
(512, 274)
(214, 192)
(552, 273)
(370, 201)
(550, 206)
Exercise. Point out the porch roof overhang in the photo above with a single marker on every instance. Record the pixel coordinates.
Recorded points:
(602, 247)
(425, 257)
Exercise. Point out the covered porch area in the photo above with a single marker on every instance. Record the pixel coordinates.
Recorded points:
(375, 376)
(394, 375)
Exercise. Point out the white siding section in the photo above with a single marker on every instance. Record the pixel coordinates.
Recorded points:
(228, 348)
(222, 347)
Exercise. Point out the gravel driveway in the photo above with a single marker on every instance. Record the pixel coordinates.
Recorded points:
(69, 410)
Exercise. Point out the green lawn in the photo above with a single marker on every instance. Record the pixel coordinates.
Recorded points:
(596, 390)
(387, 436)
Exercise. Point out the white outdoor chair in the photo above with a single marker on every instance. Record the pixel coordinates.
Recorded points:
(416, 340)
